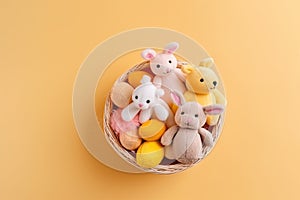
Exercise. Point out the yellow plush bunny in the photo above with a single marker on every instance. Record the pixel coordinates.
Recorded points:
(202, 82)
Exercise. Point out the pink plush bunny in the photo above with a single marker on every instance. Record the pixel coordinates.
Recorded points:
(182, 141)
(163, 65)
(147, 102)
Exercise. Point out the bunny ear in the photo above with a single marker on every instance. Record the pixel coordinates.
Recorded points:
(177, 98)
(148, 54)
(213, 109)
(207, 62)
(171, 47)
(145, 79)
(187, 69)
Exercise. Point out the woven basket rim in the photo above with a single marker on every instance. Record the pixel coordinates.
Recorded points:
(125, 155)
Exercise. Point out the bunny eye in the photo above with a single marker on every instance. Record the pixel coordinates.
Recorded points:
(158, 66)
(136, 97)
(182, 113)
(201, 80)
(196, 115)
(148, 101)
(170, 61)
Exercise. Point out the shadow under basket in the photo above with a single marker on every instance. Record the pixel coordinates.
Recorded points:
(129, 156)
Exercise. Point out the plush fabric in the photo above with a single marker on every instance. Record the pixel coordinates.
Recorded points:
(121, 94)
(147, 102)
(182, 141)
(150, 154)
(163, 65)
(121, 126)
(202, 82)
(127, 132)
(130, 142)
(152, 130)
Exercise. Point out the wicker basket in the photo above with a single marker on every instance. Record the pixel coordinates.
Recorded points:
(127, 155)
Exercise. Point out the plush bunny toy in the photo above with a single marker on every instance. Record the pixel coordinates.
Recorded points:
(182, 141)
(201, 83)
(163, 65)
(146, 100)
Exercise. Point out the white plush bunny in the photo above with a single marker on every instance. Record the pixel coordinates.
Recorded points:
(146, 100)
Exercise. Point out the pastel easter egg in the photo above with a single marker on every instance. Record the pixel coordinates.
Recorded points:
(152, 130)
(134, 78)
(121, 94)
(150, 154)
(130, 141)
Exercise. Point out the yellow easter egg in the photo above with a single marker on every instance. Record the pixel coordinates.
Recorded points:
(152, 130)
(134, 78)
(174, 107)
(150, 154)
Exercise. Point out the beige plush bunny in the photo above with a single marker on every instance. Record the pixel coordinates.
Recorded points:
(182, 141)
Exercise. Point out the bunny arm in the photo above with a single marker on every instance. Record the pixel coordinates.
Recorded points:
(208, 139)
(170, 118)
(145, 115)
(220, 99)
(129, 112)
(168, 136)
(157, 81)
(179, 74)
(161, 112)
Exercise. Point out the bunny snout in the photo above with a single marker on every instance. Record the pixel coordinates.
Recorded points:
(141, 106)
(189, 122)
(168, 70)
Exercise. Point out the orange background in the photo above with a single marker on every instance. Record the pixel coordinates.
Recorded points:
(256, 46)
